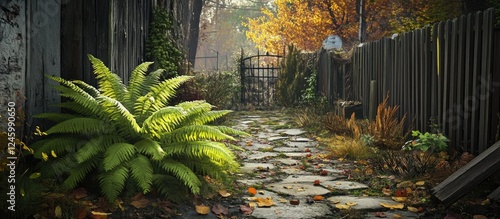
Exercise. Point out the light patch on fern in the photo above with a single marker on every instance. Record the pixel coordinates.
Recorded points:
(151, 148)
(110, 84)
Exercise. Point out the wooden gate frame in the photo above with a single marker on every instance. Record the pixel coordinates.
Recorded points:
(259, 80)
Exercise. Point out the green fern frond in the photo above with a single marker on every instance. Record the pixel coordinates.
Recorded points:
(142, 172)
(110, 84)
(96, 146)
(193, 110)
(216, 151)
(86, 126)
(116, 154)
(60, 145)
(78, 173)
(163, 121)
(183, 173)
(151, 148)
(210, 116)
(112, 182)
(87, 102)
(195, 133)
(120, 116)
(214, 170)
(150, 80)
(87, 88)
(161, 93)
(70, 85)
(135, 84)
(55, 117)
(231, 131)
(75, 107)
(169, 186)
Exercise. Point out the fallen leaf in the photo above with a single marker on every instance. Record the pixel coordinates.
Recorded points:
(387, 192)
(335, 201)
(380, 214)
(351, 203)
(413, 209)
(53, 153)
(141, 203)
(202, 209)
(58, 212)
(343, 207)
(479, 216)
(420, 183)
(252, 204)
(368, 171)
(261, 192)
(399, 199)
(265, 202)
(220, 210)
(318, 198)
(393, 206)
(288, 187)
(252, 191)
(35, 175)
(119, 204)
(99, 215)
(80, 193)
(224, 193)
(245, 209)
(282, 200)
(486, 202)
(301, 190)
(396, 216)
(401, 193)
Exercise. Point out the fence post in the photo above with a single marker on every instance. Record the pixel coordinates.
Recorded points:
(373, 100)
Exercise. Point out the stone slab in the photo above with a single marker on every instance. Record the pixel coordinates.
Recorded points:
(289, 162)
(301, 211)
(363, 203)
(294, 171)
(250, 182)
(302, 140)
(251, 167)
(291, 132)
(288, 149)
(257, 155)
(300, 144)
(298, 189)
(276, 138)
(296, 154)
(344, 185)
(308, 179)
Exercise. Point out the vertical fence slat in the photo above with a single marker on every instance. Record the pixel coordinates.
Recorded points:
(469, 37)
(475, 74)
(485, 80)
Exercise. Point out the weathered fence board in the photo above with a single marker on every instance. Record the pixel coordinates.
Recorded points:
(445, 72)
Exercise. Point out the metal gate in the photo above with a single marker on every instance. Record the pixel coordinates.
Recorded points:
(259, 77)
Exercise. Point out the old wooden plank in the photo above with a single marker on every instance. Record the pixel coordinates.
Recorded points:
(89, 34)
(71, 40)
(446, 75)
(469, 37)
(434, 72)
(425, 86)
(495, 97)
(485, 80)
(440, 62)
(450, 115)
(460, 81)
(495, 195)
(474, 135)
(469, 176)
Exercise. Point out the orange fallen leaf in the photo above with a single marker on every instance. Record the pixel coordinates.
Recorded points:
(264, 202)
(393, 206)
(318, 198)
(224, 193)
(399, 199)
(343, 207)
(401, 193)
(387, 192)
(412, 209)
(202, 209)
(252, 190)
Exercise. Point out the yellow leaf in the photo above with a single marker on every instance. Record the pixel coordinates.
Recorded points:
(335, 201)
(202, 209)
(224, 193)
(399, 199)
(27, 148)
(396, 216)
(387, 192)
(252, 204)
(412, 209)
(486, 202)
(393, 206)
(261, 192)
(53, 153)
(420, 183)
(44, 156)
(35, 175)
(351, 203)
(283, 200)
(97, 213)
(265, 202)
(342, 206)
(58, 212)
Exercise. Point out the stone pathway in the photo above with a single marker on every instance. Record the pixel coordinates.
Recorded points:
(275, 163)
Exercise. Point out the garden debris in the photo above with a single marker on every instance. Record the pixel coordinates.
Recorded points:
(220, 210)
(202, 209)
(224, 193)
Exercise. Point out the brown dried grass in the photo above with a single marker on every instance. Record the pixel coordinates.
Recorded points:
(387, 131)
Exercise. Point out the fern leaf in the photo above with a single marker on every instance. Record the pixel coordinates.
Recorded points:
(87, 102)
(116, 154)
(169, 186)
(87, 88)
(161, 93)
(59, 145)
(55, 117)
(77, 108)
(78, 173)
(142, 172)
(150, 147)
(112, 182)
(231, 131)
(134, 87)
(216, 151)
(150, 80)
(210, 116)
(163, 121)
(119, 115)
(183, 173)
(195, 133)
(110, 84)
(86, 126)
(96, 146)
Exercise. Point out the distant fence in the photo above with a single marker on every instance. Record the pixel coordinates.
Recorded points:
(449, 72)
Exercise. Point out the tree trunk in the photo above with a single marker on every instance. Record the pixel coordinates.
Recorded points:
(194, 30)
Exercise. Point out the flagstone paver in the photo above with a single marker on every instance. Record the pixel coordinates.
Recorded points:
(344, 185)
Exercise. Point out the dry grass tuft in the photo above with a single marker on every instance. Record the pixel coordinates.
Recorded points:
(350, 148)
(387, 131)
(337, 124)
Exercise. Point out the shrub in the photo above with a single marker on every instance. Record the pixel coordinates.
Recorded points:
(337, 124)
(407, 164)
(220, 88)
(350, 148)
(387, 131)
(435, 142)
(130, 136)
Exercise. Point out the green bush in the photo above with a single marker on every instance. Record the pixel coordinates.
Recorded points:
(220, 88)
(425, 141)
(130, 136)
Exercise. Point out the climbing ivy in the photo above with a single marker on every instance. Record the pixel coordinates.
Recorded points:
(160, 45)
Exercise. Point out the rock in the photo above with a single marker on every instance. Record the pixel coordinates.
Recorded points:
(251, 167)
(298, 189)
(291, 132)
(307, 179)
(362, 203)
(276, 138)
(257, 155)
(344, 185)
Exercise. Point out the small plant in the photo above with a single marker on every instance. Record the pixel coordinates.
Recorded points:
(219, 88)
(367, 139)
(426, 141)
(353, 149)
(130, 137)
(337, 124)
(407, 164)
(387, 131)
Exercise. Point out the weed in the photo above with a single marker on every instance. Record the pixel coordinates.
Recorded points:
(407, 164)
(434, 142)
(387, 131)
(350, 148)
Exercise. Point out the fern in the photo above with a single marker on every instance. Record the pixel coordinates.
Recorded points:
(130, 135)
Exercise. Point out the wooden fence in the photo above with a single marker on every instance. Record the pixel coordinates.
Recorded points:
(449, 72)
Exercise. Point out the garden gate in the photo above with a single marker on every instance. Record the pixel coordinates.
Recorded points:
(259, 77)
